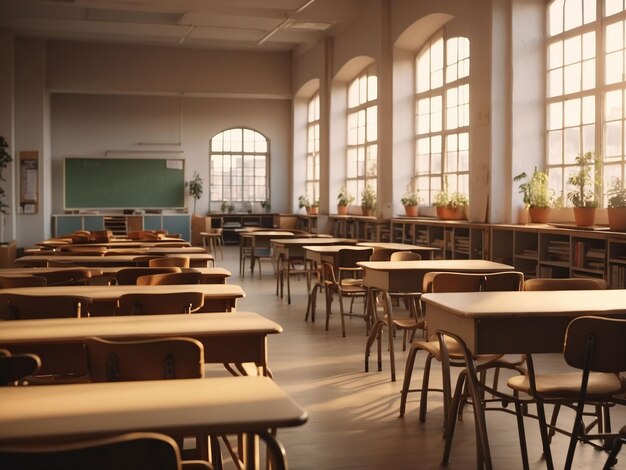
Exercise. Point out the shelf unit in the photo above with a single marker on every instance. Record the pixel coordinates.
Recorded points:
(231, 222)
(537, 250)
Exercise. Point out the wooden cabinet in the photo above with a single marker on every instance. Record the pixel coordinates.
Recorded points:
(63, 224)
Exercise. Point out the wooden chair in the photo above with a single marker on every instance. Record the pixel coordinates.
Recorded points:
(573, 283)
(595, 346)
(163, 303)
(31, 307)
(404, 256)
(17, 367)
(128, 276)
(137, 451)
(346, 280)
(170, 279)
(213, 241)
(26, 280)
(169, 261)
(454, 282)
(381, 254)
(153, 359)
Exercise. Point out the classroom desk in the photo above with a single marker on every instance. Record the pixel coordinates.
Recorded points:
(216, 406)
(514, 322)
(425, 251)
(227, 338)
(214, 275)
(328, 253)
(291, 248)
(407, 276)
(254, 244)
(195, 259)
(217, 297)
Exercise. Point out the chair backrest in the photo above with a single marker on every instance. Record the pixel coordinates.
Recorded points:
(152, 359)
(31, 307)
(67, 277)
(139, 451)
(159, 303)
(574, 283)
(170, 279)
(177, 261)
(405, 256)
(347, 258)
(381, 254)
(7, 282)
(128, 276)
(17, 366)
(472, 282)
(597, 342)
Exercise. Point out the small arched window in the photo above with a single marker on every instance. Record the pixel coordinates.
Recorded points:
(239, 167)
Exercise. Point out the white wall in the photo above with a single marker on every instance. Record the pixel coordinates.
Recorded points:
(84, 99)
(91, 125)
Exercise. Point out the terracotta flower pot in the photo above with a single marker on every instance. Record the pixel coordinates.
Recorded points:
(411, 211)
(367, 211)
(450, 213)
(342, 210)
(584, 216)
(539, 215)
(313, 210)
(617, 218)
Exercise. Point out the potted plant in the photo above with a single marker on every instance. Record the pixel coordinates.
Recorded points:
(616, 210)
(5, 159)
(584, 199)
(195, 188)
(303, 202)
(344, 199)
(451, 206)
(314, 209)
(368, 200)
(537, 197)
(266, 205)
(410, 200)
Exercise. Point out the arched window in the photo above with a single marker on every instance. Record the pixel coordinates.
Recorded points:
(362, 133)
(442, 116)
(313, 149)
(239, 167)
(586, 89)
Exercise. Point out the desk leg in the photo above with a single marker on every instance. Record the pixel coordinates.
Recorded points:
(483, 453)
(390, 331)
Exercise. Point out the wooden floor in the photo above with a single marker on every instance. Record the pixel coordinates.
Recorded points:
(353, 415)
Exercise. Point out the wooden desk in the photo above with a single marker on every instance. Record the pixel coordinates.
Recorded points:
(285, 250)
(227, 337)
(213, 275)
(217, 297)
(407, 276)
(425, 251)
(328, 253)
(229, 405)
(195, 259)
(513, 322)
(252, 242)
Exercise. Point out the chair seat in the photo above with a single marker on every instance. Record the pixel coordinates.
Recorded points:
(455, 351)
(601, 385)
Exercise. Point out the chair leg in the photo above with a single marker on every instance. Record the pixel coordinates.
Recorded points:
(424, 391)
(519, 414)
(451, 418)
(408, 372)
(375, 331)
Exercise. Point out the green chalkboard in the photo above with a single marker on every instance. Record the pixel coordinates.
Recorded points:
(129, 183)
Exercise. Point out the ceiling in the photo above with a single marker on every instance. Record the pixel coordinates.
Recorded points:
(264, 25)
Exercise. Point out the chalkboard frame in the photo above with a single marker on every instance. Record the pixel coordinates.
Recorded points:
(92, 176)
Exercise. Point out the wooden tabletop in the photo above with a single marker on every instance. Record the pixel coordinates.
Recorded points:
(221, 405)
(217, 297)
(311, 241)
(517, 322)
(227, 337)
(115, 260)
(407, 276)
(399, 246)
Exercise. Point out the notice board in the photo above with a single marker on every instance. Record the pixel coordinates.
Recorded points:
(124, 183)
